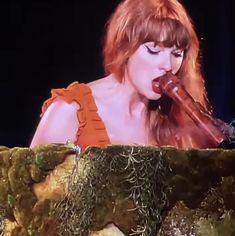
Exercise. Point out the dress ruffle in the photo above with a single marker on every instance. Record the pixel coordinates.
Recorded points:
(91, 129)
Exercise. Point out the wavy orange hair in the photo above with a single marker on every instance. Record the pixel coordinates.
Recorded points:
(165, 22)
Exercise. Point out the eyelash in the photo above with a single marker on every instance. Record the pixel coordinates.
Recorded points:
(175, 54)
(151, 51)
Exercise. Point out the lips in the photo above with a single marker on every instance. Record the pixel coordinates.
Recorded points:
(156, 86)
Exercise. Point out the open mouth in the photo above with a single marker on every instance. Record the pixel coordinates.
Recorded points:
(156, 86)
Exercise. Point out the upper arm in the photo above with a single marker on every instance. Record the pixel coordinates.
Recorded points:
(58, 124)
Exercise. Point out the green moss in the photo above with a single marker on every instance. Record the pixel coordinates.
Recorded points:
(143, 190)
(224, 226)
(20, 168)
(117, 184)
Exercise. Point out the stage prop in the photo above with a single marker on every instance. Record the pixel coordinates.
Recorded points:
(53, 190)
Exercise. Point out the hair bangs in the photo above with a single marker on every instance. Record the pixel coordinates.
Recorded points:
(166, 32)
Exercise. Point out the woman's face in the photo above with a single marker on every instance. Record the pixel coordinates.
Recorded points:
(148, 63)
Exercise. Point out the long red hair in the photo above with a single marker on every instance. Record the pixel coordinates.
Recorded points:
(165, 22)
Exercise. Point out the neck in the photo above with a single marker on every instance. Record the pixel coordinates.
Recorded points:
(126, 96)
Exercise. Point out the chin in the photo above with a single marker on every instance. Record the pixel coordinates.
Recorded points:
(155, 96)
(150, 95)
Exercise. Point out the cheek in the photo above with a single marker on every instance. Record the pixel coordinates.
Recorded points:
(138, 59)
(177, 65)
(137, 64)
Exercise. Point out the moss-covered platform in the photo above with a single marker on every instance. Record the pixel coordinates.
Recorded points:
(51, 190)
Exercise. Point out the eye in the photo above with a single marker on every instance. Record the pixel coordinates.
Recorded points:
(153, 52)
(178, 53)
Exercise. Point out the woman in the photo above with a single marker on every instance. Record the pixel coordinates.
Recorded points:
(145, 39)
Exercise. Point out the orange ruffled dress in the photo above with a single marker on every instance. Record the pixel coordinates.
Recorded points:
(91, 129)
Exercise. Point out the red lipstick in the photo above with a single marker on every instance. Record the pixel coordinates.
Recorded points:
(156, 86)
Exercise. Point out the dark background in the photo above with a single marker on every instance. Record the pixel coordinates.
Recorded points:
(48, 45)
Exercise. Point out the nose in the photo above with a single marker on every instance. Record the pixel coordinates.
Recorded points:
(166, 64)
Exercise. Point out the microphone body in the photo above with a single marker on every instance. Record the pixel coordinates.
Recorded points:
(171, 86)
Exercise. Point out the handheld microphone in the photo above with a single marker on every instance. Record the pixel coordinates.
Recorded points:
(171, 86)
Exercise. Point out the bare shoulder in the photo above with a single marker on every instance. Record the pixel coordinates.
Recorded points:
(58, 124)
(60, 106)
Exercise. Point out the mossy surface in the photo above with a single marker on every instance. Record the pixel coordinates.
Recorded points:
(20, 168)
(142, 190)
(124, 185)
(201, 193)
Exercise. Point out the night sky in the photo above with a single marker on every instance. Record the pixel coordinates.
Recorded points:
(49, 45)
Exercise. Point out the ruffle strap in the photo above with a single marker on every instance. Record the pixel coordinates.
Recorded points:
(91, 129)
